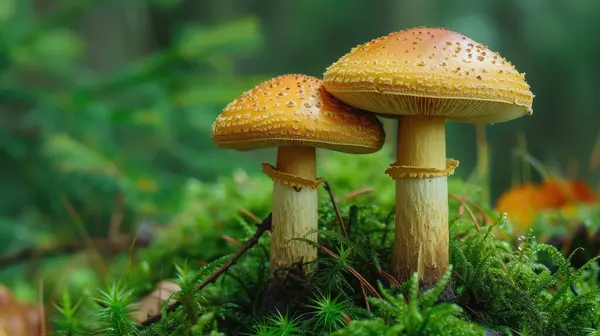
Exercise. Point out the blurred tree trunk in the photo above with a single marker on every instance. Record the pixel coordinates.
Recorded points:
(508, 18)
(404, 14)
(116, 34)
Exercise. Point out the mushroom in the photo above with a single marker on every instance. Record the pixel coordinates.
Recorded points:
(295, 114)
(423, 77)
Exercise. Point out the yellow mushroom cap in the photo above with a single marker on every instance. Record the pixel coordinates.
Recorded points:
(296, 110)
(430, 71)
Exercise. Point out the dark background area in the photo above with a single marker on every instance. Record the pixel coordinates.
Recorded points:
(107, 106)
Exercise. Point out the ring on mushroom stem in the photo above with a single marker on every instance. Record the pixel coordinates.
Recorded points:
(296, 115)
(423, 77)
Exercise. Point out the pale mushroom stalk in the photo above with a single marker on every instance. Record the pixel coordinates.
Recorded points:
(294, 209)
(421, 236)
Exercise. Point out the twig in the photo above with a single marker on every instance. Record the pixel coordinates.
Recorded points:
(231, 240)
(260, 230)
(358, 192)
(347, 318)
(76, 219)
(486, 218)
(389, 278)
(335, 207)
(99, 244)
(345, 234)
(250, 215)
(473, 312)
(352, 271)
(471, 214)
(132, 249)
(116, 220)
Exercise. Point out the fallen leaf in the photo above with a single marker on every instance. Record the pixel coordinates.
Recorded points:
(150, 304)
(19, 319)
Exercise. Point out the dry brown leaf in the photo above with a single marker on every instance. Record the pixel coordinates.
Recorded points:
(150, 304)
(19, 319)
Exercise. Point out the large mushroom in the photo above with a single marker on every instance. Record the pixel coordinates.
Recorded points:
(295, 114)
(423, 77)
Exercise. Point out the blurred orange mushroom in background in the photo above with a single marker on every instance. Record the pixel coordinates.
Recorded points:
(525, 202)
(562, 192)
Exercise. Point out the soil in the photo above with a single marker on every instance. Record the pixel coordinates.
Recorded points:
(286, 288)
(447, 295)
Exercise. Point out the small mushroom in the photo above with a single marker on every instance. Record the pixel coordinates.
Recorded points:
(423, 77)
(295, 114)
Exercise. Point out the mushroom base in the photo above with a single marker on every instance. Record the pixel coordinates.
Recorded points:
(294, 209)
(421, 237)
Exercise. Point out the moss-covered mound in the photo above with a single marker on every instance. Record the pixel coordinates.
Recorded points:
(494, 286)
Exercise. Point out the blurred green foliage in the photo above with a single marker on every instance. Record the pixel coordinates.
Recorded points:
(107, 105)
(72, 136)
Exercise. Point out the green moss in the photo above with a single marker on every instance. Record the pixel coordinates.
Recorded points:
(525, 288)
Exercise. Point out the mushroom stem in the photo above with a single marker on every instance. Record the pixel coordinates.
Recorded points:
(294, 211)
(421, 236)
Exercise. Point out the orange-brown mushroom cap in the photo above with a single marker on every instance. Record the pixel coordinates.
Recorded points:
(296, 110)
(430, 71)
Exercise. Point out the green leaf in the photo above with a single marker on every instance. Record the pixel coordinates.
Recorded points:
(239, 36)
(7, 11)
(214, 91)
(57, 47)
(70, 155)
